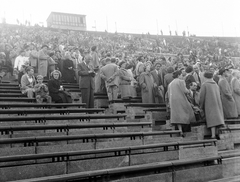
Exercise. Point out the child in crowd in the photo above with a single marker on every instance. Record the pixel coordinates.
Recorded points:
(41, 91)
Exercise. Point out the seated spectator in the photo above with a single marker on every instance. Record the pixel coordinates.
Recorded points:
(56, 91)
(41, 91)
(28, 82)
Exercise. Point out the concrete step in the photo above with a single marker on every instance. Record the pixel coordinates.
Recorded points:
(171, 171)
(92, 160)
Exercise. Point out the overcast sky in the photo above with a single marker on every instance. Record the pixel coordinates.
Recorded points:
(200, 17)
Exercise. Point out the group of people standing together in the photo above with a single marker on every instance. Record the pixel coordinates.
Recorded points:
(217, 96)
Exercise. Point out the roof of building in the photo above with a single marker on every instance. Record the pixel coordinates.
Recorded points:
(60, 13)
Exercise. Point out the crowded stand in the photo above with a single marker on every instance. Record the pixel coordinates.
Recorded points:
(158, 69)
(158, 89)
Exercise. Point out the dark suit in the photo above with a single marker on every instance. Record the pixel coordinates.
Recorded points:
(156, 78)
(159, 98)
(86, 85)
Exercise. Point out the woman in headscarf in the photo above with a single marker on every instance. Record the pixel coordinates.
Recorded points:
(124, 81)
(68, 71)
(181, 112)
(146, 83)
(27, 82)
(56, 91)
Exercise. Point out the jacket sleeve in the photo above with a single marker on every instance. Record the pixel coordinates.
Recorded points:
(37, 87)
(24, 82)
(123, 77)
(224, 87)
(142, 81)
(102, 75)
(16, 63)
(42, 55)
(82, 72)
(202, 96)
(236, 87)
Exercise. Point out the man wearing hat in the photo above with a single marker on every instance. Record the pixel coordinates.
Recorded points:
(228, 102)
(158, 84)
(43, 61)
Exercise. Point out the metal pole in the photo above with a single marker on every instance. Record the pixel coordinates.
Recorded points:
(107, 22)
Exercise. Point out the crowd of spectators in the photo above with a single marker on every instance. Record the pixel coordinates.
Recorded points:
(171, 69)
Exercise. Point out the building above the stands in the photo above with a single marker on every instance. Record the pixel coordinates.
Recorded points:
(67, 21)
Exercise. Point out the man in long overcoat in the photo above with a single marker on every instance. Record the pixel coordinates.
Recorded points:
(210, 102)
(229, 105)
(87, 82)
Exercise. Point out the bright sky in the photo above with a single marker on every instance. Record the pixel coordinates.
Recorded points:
(200, 17)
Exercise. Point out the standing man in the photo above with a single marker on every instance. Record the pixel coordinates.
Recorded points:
(87, 84)
(21, 62)
(96, 65)
(228, 102)
(109, 74)
(158, 84)
(43, 61)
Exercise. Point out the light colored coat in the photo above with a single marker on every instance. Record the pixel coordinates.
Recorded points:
(110, 71)
(42, 63)
(146, 84)
(235, 84)
(210, 102)
(181, 110)
(229, 105)
(124, 83)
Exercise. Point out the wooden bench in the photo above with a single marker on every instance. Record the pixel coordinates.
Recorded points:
(145, 172)
(98, 153)
(9, 130)
(9, 88)
(43, 119)
(42, 105)
(118, 105)
(6, 94)
(10, 91)
(17, 99)
(51, 111)
(35, 141)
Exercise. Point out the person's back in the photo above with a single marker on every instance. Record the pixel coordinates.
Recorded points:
(109, 70)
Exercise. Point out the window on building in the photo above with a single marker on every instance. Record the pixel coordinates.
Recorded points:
(75, 20)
